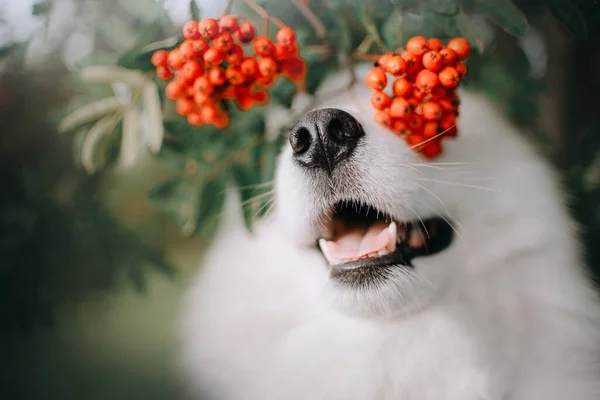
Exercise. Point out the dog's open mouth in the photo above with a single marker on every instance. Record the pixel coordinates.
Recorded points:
(358, 235)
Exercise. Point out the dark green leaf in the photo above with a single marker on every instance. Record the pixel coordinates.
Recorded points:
(467, 28)
(194, 10)
(569, 16)
(504, 14)
(391, 31)
(443, 7)
(283, 93)
(211, 206)
(138, 279)
(41, 8)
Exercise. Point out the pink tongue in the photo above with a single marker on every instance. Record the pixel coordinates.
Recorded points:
(358, 242)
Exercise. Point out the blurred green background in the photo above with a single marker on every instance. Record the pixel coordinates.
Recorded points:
(93, 265)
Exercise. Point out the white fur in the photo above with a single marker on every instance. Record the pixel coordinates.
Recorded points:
(504, 313)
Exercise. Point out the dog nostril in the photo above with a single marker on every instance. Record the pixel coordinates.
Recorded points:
(335, 128)
(300, 140)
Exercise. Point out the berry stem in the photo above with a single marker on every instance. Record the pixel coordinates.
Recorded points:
(227, 9)
(264, 14)
(311, 18)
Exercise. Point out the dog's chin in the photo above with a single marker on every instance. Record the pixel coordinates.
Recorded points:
(370, 255)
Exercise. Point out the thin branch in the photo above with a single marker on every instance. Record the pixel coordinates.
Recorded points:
(263, 13)
(311, 18)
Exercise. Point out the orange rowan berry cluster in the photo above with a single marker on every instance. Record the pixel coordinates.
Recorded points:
(210, 68)
(422, 105)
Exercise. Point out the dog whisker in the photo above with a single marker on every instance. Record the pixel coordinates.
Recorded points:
(460, 185)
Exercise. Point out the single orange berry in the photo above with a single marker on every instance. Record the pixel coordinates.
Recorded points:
(190, 30)
(461, 47)
(447, 104)
(234, 76)
(249, 66)
(286, 36)
(418, 94)
(228, 23)
(235, 55)
(413, 101)
(295, 70)
(438, 93)
(449, 77)
(400, 108)
(435, 44)
(461, 68)
(431, 111)
(175, 60)
(432, 149)
(380, 100)
(382, 61)
(195, 119)
(399, 126)
(414, 140)
(265, 81)
(417, 45)
(448, 56)
(184, 106)
(201, 98)
(283, 52)
(203, 85)
(221, 122)
(209, 112)
(395, 65)
(261, 96)
(447, 122)
(431, 129)
(264, 47)
(187, 50)
(432, 60)
(159, 58)
(402, 87)
(267, 66)
(216, 76)
(223, 42)
(191, 70)
(427, 80)
(212, 58)
(245, 102)
(414, 121)
(383, 118)
(163, 72)
(413, 63)
(208, 28)
(174, 90)
(376, 79)
(245, 33)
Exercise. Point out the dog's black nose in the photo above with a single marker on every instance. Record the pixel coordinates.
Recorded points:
(323, 138)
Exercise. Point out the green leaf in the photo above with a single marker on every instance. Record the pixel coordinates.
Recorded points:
(569, 16)
(467, 28)
(443, 7)
(391, 31)
(115, 34)
(211, 206)
(41, 8)
(194, 10)
(283, 93)
(504, 14)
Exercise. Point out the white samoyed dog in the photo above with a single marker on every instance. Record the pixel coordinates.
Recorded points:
(382, 275)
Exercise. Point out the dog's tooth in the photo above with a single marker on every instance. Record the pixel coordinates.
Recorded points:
(323, 246)
(393, 231)
(383, 252)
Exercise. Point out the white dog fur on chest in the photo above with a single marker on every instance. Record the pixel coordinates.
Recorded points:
(505, 312)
